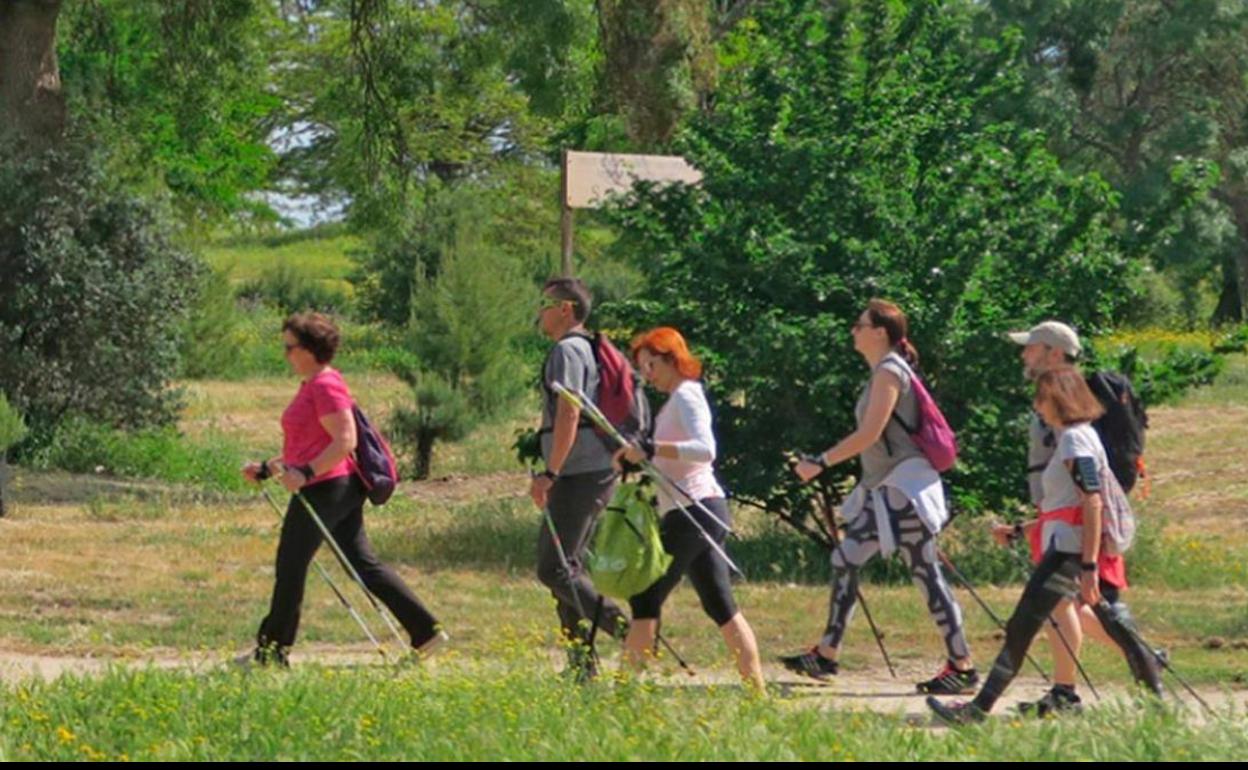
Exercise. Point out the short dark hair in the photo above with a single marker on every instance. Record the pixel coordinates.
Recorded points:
(316, 333)
(572, 290)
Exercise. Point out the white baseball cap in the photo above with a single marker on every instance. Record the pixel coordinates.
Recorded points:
(1055, 334)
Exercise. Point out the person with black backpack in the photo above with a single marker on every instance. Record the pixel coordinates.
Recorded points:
(318, 464)
(1053, 346)
(578, 480)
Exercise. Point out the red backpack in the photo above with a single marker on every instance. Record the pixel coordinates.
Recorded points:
(621, 395)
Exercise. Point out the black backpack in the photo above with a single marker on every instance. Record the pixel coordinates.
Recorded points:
(1122, 426)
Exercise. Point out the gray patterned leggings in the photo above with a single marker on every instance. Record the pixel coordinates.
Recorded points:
(917, 545)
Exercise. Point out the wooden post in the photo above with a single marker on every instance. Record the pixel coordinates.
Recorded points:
(565, 221)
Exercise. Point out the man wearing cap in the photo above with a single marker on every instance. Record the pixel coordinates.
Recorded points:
(1046, 347)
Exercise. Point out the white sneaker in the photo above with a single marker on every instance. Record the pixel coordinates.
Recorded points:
(431, 647)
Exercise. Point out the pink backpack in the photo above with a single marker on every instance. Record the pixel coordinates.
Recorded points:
(933, 436)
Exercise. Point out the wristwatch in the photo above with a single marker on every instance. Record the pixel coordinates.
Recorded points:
(548, 473)
(1088, 566)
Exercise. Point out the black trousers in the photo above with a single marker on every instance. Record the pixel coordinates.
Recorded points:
(340, 504)
(574, 504)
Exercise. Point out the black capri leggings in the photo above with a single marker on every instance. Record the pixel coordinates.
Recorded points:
(693, 555)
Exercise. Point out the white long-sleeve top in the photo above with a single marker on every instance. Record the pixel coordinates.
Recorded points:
(685, 420)
(918, 481)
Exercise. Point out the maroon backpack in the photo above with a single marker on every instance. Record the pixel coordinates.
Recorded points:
(374, 462)
(933, 436)
(621, 396)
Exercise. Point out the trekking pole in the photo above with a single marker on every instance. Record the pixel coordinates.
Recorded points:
(1061, 637)
(581, 402)
(350, 569)
(984, 605)
(661, 639)
(866, 611)
(1164, 662)
(566, 567)
(333, 586)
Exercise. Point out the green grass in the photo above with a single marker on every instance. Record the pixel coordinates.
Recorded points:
(516, 710)
(321, 254)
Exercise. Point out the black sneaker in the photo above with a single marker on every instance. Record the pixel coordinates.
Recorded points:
(263, 657)
(811, 664)
(956, 714)
(950, 681)
(1057, 701)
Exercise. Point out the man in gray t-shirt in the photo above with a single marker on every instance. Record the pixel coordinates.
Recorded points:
(1050, 345)
(578, 481)
(571, 364)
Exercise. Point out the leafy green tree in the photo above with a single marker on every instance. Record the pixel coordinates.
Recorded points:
(12, 431)
(180, 93)
(94, 290)
(852, 153)
(1145, 91)
(469, 318)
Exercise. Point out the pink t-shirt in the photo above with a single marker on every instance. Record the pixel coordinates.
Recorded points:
(304, 436)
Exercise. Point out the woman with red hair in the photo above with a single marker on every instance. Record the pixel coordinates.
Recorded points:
(683, 448)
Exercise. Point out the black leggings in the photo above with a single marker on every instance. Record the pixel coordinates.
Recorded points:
(1057, 578)
(708, 572)
(340, 504)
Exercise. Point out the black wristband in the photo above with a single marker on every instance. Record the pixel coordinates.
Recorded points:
(1088, 566)
(1018, 532)
(548, 473)
(264, 472)
(647, 446)
(306, 470)
(817, 459)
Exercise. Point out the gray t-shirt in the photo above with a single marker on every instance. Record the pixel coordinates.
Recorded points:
(895, 445)
(1041, 444)
(571, 363)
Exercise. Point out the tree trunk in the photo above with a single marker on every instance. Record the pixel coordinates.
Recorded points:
(4, 475)
(1233, 304)
(424, 453)
(32, 105)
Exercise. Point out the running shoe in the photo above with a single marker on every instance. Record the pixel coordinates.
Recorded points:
(811, 664)
(1057, 701)
(950, 681)
(958, 713)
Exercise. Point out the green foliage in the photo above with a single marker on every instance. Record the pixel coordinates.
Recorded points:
(851, 155)
(210, 337)
(1150, 93)
(180, 93)
(470, 311)
(1165, 368)
(12, 426)
(94, 294)
(409, 97)
(229, 339)
(288, 288)
(79, 445)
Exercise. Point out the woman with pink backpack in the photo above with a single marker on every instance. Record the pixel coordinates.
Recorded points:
(899, 503)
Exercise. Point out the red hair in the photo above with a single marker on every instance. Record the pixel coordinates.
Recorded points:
(667, 342)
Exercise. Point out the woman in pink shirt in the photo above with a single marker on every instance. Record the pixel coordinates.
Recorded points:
(318, 429)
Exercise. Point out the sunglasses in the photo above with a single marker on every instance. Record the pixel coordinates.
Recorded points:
(546, 303)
